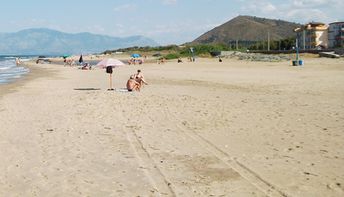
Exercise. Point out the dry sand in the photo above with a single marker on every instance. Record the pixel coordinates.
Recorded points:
(234, 128)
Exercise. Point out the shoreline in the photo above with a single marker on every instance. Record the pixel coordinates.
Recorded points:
(34, 73)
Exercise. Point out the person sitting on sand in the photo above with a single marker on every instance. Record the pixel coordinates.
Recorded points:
(69, 62)
(161, 60)
(131, 61)
(140, 78)
(132, 84)
(86, 66)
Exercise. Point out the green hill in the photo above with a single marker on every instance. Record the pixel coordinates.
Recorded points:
(248, 28)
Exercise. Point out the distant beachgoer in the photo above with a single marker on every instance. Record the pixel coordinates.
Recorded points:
(220, 60)
(69, 62)
(18, 62)
(132, 84)
(131, 61)
(161, 60)
(86, 66)
(180, 60)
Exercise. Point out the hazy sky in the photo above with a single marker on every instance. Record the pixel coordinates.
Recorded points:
(165, 21)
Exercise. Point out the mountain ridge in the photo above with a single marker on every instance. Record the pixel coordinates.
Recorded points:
(48, 41)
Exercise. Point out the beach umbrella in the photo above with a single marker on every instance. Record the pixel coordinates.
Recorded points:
(135, 55)
(81, 59)
(65, 56)
(109, 64)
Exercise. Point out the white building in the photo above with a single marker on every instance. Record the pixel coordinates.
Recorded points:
(336, 35)
(312, 36)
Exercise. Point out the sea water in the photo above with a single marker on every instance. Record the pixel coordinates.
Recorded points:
(9, 71)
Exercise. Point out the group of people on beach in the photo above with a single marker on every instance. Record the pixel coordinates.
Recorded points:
(68, 61)
(136, 81)
(135, 61)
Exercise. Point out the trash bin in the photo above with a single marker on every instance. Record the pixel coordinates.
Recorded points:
(295, 63)
(301, 62)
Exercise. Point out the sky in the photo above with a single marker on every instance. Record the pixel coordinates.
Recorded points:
(165, 21)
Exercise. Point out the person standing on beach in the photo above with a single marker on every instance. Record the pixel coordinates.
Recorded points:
(110, 71)
(18, 62)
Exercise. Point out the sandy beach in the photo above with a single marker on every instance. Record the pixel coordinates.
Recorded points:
(235, 128)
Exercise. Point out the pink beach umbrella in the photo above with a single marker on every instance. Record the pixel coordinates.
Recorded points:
(109, 64)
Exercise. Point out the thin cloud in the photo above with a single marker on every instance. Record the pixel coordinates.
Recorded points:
(259, 7)
(316, 15)
(187, 26)
(126, 7)
(313, 3)
(296, 11)
(169, 2)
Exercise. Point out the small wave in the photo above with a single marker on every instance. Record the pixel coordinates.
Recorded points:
(7, 62)
(26, 59)
(6, 67)
(11, 73)
(9, 57)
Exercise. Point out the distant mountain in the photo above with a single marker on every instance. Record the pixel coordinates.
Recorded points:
(47, 41)
(248, 28)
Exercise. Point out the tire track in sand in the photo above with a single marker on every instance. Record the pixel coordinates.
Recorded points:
(251, 176)
(156, 178)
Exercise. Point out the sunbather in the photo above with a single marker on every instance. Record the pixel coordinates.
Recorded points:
(140, 78)
(132, 84)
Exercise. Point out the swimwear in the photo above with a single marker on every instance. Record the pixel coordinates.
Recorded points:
(109, 69)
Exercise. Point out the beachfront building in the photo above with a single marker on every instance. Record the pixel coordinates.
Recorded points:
(336, 35)
(312, 36)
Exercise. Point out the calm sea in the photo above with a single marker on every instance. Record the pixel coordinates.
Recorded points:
(9, 71)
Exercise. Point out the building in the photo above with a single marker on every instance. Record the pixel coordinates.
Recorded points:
(312, 36)
(336, 35)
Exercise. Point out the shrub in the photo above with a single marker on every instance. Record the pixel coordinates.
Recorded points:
(172, 56)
